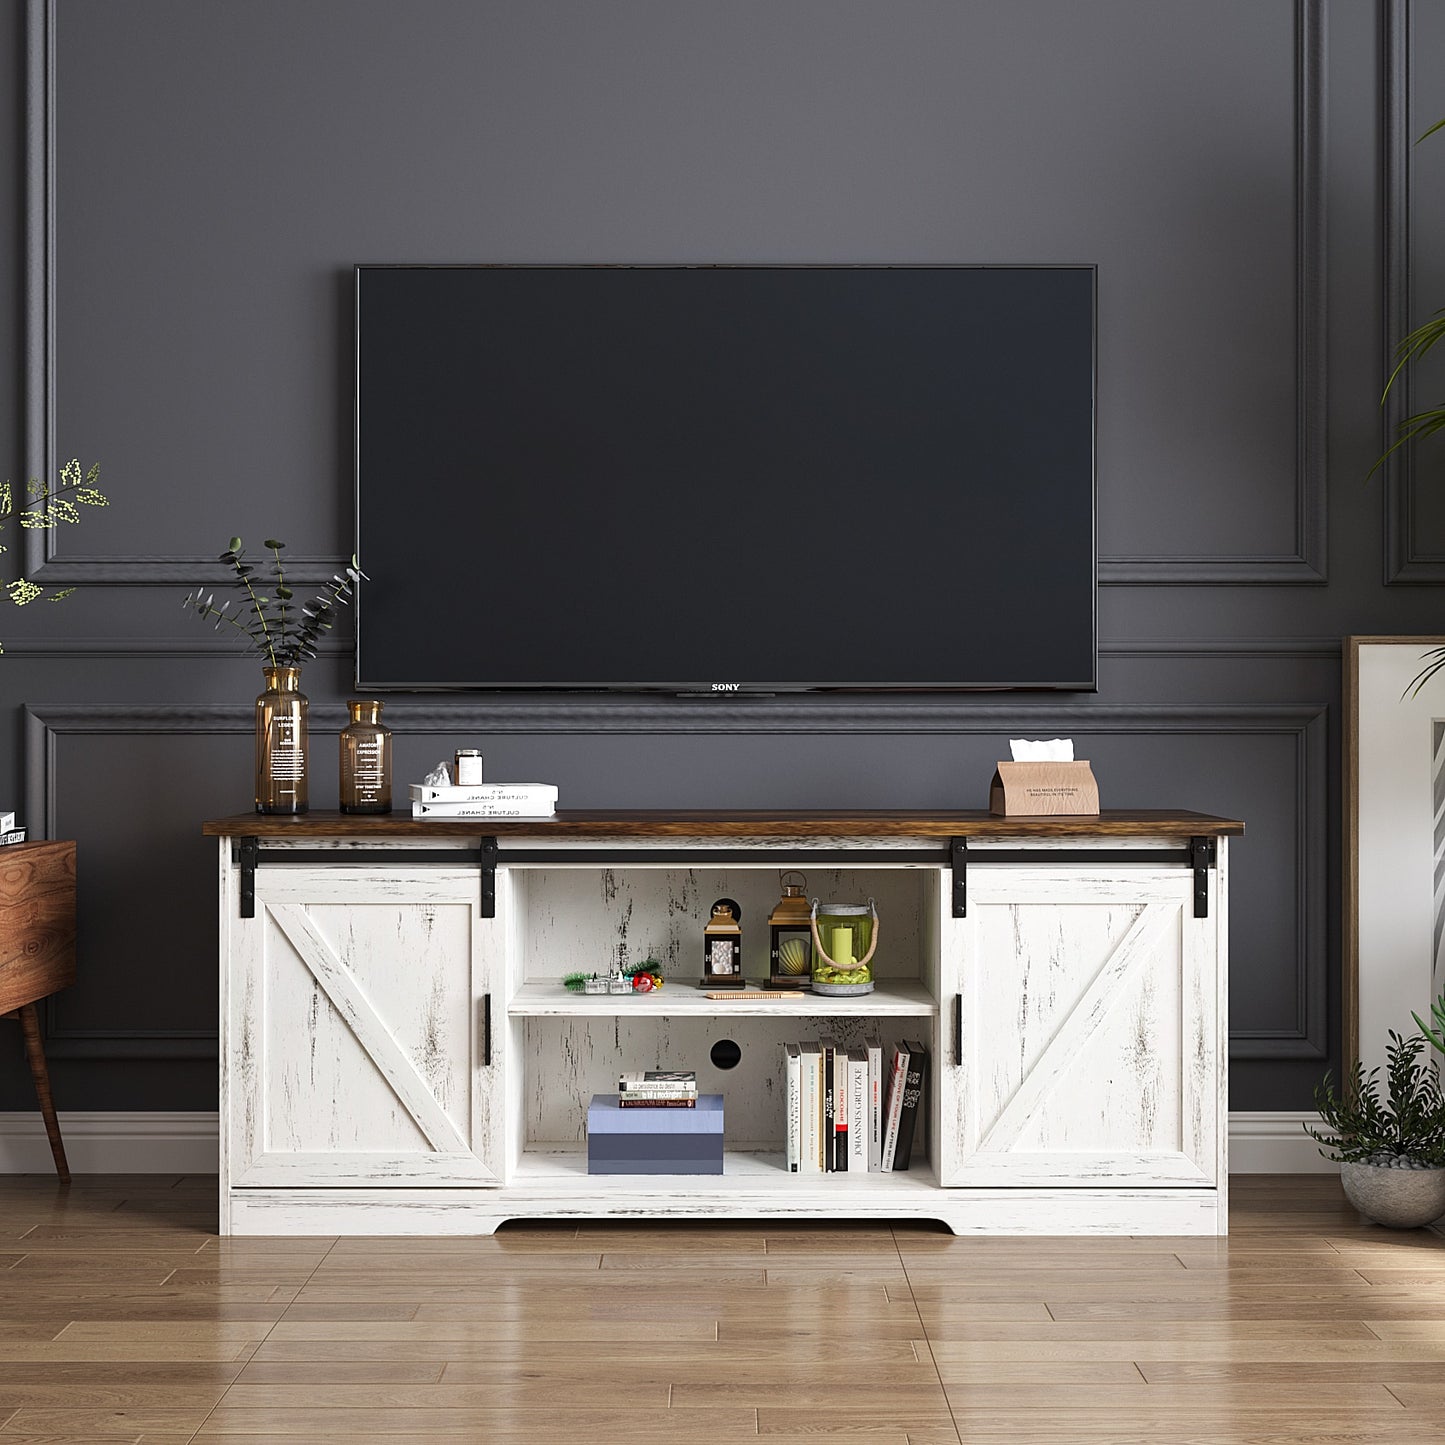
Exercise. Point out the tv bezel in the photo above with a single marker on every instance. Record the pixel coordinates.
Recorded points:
(720, 688)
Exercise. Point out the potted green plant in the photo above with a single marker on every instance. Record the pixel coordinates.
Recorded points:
(284, 634)
(1390, 1148)
(45, 509)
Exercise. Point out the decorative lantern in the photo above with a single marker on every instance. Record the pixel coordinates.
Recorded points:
(722, 945)
(845, 936)
(790, 934)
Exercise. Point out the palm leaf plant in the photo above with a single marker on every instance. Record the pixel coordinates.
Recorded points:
(1436, 1035)
(1416, 427)
(46, 508)
(276, 626)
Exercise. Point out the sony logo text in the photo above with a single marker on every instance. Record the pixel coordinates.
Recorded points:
(726, 686)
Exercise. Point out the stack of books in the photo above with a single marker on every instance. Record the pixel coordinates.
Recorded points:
(484, 800)
(847, 1111)
(658, 1089)
(9, 833)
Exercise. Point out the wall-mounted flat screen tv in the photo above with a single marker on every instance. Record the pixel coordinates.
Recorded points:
(725, 478)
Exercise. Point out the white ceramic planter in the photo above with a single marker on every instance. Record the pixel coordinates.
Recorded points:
(1396, 1198)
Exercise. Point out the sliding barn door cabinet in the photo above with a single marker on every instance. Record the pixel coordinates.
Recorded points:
(399, 1055)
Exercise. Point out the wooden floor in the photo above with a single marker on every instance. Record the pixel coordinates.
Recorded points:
(123, 1318)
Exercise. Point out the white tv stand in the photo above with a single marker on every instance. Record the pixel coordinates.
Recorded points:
(398, 1055)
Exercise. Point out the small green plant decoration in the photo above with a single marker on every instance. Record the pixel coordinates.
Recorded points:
(1406, 1126)
(276, 626)
(577, 981)
(46, 508)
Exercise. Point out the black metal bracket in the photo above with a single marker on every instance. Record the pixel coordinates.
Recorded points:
(487, 857)
(248, 855)
(1203, 854)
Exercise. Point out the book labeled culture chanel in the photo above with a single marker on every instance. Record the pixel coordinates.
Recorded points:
(483, 800)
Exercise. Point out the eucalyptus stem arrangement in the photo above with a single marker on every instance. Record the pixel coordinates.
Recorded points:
(46, 508)
(277, 627)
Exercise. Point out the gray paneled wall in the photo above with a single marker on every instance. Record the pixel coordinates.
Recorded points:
(1240, 170)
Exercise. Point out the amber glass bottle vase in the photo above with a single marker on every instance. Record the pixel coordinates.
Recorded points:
(281, 743)
(365, 760)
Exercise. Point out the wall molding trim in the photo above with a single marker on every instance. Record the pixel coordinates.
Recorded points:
(1405, 560)
(1307, 563)
(1306, 1037)
(1309, 560)
(1244, 649)
(591, 714)
(188, 1143)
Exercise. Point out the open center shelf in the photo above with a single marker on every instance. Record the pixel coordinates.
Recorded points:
(896, 998)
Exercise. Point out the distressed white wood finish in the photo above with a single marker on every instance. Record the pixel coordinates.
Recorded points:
(354, 1100)
(584, 1057)
(1090, 1028)
(891, 998)
(557, 1187)
(592, 919)
(352, 1034)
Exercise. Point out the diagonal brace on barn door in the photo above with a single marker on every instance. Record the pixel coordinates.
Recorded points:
(1093, 1006)
(347, 997)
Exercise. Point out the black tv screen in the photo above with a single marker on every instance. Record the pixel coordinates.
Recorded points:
(725, 478)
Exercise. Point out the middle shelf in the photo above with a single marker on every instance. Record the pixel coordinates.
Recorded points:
(894, 998)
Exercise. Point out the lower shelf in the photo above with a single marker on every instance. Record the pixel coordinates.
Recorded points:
(745, 1171)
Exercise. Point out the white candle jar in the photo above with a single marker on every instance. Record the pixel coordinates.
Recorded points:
(845, 938)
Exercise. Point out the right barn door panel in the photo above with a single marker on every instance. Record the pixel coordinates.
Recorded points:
(1086, 1048)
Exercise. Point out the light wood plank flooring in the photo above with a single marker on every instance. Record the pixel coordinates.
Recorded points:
(123, 1318)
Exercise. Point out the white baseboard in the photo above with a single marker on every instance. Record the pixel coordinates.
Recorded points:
(175, 1143)
(1274, 1142)
(112, 1143)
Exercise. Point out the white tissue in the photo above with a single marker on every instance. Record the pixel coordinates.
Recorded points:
(1055, 750)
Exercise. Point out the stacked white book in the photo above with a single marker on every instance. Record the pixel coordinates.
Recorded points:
(484, 800)
(9, 833)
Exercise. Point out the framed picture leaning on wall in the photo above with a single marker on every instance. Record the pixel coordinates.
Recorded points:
(1394, 853)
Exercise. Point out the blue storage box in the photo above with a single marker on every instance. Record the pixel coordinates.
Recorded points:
(655, 1141)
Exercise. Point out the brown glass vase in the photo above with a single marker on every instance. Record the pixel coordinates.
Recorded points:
(281, 743)
(365, 760)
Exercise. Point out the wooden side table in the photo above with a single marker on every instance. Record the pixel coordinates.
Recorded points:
(37, 953)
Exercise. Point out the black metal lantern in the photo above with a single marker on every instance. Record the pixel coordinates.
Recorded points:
(722, 944)
(790, 937)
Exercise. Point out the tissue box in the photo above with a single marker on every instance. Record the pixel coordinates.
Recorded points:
(655, 1141)
(1024, 790)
